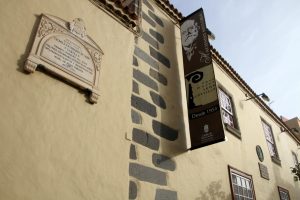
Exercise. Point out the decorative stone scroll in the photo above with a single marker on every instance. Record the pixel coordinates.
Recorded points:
(66, 50)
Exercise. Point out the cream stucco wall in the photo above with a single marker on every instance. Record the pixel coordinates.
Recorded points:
(173, 93)
(55, 145)
(203, 173)
(249, 116)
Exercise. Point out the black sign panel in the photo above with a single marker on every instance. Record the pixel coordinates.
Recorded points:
(203, 105)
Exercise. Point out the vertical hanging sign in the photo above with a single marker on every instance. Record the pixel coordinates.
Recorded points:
(202, 96)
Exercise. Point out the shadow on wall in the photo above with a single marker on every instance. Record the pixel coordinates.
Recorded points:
(281, 180)
(214, 192)
(23, 57)
(174, 112)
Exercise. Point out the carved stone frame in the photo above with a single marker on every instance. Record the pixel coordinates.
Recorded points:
(75, 32)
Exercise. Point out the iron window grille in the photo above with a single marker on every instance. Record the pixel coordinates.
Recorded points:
(270, 140)
(295, 158)
(227, 109)
(241, 185)
(283, 194)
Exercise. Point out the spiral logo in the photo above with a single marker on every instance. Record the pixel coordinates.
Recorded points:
(195, 77)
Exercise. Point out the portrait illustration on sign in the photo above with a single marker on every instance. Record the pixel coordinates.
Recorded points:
(190, 31)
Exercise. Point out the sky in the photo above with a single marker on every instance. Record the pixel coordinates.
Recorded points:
(261, 41)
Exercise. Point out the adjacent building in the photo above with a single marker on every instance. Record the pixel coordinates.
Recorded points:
(94, 107)
(293, 124)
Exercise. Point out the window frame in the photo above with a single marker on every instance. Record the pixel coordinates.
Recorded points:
(281, 189)
(236, 129)
(295, 158)
(275, 158)
(232, 170)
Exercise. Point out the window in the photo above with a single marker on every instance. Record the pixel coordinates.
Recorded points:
(227, 111)
(295, 158)
(241, 185)
(283, 193)
(228, 114)
(270, 142)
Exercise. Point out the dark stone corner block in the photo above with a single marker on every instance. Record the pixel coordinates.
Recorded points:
(160, 57)
(158, 100)
(147, 174)
(163, 162)
(143, 105)
(164, 131)
(143, 138)
(162, 194)
(132, 190)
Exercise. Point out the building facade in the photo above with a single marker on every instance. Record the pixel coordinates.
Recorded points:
(128, 138)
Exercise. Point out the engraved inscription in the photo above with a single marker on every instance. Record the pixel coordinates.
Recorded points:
(66, 50)
(263, 171)
(69, 55)
(202, 86)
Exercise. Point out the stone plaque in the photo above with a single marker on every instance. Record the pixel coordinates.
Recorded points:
(263, 171)
(64, 49)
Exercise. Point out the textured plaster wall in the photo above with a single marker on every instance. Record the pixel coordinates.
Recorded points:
(132, 144)
(158, 103)
(55, 145)
(203, 173)
(241, 154)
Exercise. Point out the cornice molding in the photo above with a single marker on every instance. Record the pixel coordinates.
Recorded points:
(232, 73)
